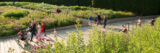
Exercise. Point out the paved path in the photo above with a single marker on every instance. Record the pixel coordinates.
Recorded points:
(7, 43)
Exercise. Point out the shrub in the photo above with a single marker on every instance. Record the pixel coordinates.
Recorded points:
(3, 4)
(16, 14)
(79, 8)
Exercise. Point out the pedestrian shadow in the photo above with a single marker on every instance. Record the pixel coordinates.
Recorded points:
(26, 48)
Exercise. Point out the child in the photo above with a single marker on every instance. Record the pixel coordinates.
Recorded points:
(29, 35)
(55, 33)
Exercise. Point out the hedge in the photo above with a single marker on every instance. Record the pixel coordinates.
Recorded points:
(141, 7)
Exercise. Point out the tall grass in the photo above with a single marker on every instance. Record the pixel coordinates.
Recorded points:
(143, 39)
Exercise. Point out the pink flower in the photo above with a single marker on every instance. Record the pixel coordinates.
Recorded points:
(51, 44)
(37, 42)
(37, 47)
(37, 36)
(48, 39)
(42, 38)
(29, 38)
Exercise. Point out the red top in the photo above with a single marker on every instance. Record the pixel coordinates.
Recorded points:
(42, 28)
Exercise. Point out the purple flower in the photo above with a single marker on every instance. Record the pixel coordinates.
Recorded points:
(41, 38)
(37, 42)
(48, 39)
(29, 38)
(51, 44)
(37, 47)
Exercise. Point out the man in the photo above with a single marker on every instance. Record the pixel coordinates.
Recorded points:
(105, 21)
(90, 20)
(33, 29)
(99, 19)
(152, 22)
(139, 21)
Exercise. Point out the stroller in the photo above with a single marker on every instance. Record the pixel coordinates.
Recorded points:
(22, 36)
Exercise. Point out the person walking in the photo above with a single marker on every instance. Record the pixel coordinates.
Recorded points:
(38, 30)
(105, 21)
(95, 20)
(68, 11)
(43, 29)
(33, 30)
(99, 19)
(152, 22)
(90, 20)
(139, 21)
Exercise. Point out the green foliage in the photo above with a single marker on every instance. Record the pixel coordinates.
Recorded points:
(16, 14)
(110, 13)
(79, 8)
(60, 21)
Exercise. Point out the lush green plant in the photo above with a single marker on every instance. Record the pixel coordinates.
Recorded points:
(79, 8)
(16, 14)
(143, 40)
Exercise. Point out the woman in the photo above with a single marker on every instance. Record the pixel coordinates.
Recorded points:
(43, 29)
(38, 30)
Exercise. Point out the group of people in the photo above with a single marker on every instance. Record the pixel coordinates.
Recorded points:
(98, 20)
(139, 22)
(31, 31)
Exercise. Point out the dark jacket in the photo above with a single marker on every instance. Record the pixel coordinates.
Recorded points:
(33, 28)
